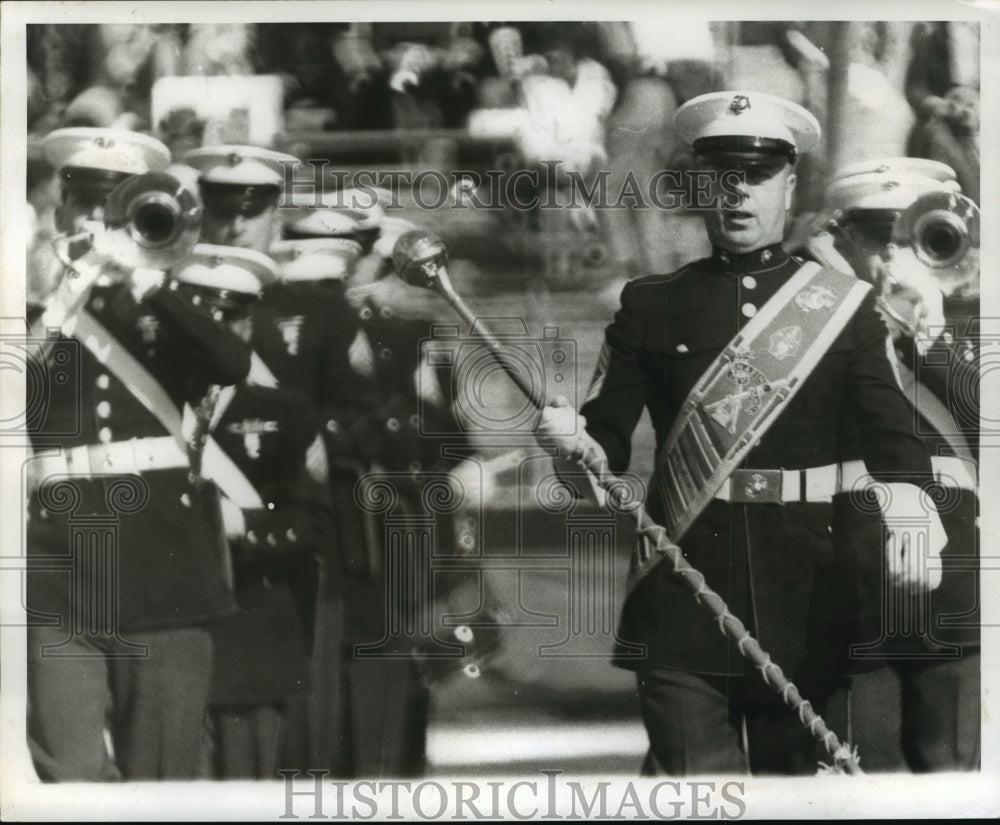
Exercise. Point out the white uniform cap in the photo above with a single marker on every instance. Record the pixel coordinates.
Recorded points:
(320, 222)
(108, 150)
(888, 183)
(227, 269)
(316, 259)
(340, 213)
(241, 165)
(746, 123)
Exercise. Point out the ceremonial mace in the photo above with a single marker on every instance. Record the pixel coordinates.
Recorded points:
(421, 258)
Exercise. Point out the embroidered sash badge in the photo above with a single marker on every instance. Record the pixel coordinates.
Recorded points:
(813, 297)
(785, 342)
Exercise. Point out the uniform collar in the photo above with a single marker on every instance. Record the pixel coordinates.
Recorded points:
(760, 260)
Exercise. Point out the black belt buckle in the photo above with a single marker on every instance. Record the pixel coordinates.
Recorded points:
(756, 487)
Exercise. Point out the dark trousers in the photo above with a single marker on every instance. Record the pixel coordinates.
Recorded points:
(248, 741)
(380, 720)
(919, 716)
(367, 717)
(152, 706)
(699, 724)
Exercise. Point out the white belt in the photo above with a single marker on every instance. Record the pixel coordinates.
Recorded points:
(820, 484)
(950, 471)
(138, 455)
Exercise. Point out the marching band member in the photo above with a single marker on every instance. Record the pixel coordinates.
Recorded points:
(762, 536)
(264, 434)
(906, 228)
(118, 633)
(302, 332)
(302, 329)
(377, 710)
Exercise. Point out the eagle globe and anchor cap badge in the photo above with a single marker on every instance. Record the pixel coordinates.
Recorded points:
(739, 104)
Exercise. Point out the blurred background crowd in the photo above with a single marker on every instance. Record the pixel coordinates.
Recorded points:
(509, 95)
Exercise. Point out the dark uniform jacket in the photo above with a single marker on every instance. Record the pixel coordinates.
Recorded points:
(948, 372)
(360, 426)
(303, 333)
(261, 653)
(773, 563)
(171, 562)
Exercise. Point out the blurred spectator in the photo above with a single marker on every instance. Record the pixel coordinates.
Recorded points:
(659, 65)
(317, 86)
(407, 75)
(218, 49)
(875, 118)
(568, 98)
(182, 130)
(549, 72)
(431, 72)
(942, 86)
(879, 119)
(366, 103)
(98, 75)
(560, 98)
(57, 60)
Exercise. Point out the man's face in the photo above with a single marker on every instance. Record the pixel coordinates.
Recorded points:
(910, 295)
(760, 220)
(80, 204)
(229, 228)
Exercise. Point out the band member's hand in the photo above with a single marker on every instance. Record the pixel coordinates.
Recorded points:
(144, 282)
(577, 456)
(911, 301)
(914, 540)
(233, 521)
(563, 428)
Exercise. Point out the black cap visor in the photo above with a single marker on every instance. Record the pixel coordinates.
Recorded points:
(876, 225)
(227, 200)
(744, 150)
(89, 184)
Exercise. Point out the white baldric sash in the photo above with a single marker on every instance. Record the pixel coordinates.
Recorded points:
(748, 385)
(935, 413)
(147, 390)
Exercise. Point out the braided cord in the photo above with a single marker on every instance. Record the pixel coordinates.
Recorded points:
(844, 759)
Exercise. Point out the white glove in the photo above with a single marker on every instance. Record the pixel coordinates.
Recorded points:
(146, 281)
(915, 538)
(563, 428)
(232, 520)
